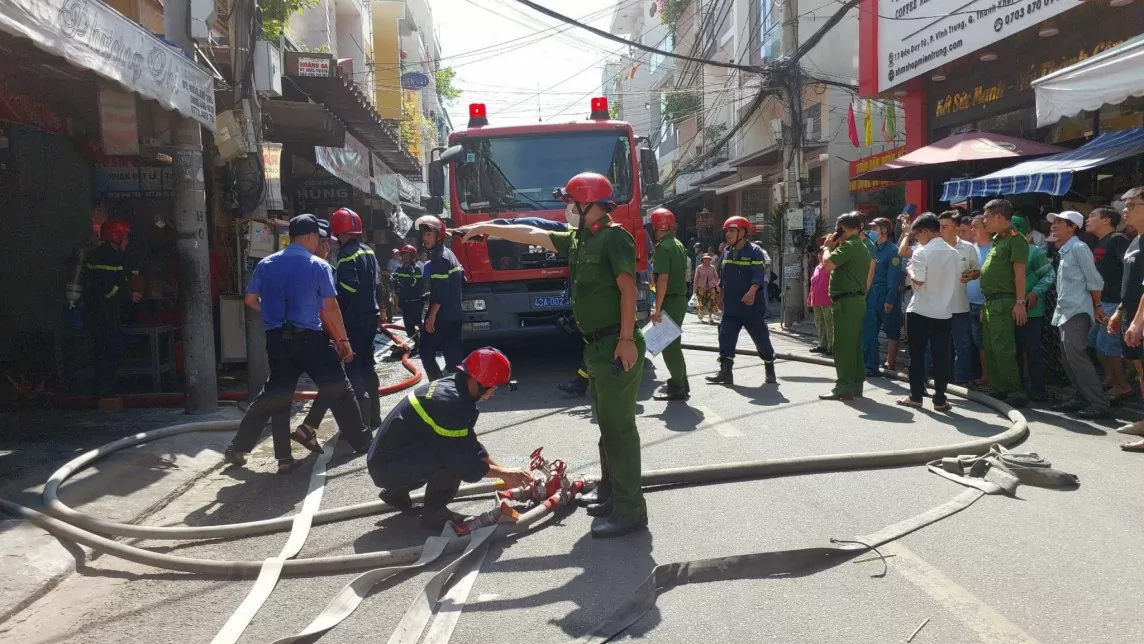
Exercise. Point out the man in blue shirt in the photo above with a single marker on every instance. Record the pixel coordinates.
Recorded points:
(442, 330)
(883, 302)
(744, 275)
(1079, 286)
(294, 290)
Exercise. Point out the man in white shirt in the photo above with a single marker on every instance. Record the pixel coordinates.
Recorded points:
(935, 272)
(960, 326)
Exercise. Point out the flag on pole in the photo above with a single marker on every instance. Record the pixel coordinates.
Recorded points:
(891, 123)
(868, 124)
(852, 125)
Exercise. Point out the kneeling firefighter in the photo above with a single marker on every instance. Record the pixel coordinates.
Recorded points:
(429, 438)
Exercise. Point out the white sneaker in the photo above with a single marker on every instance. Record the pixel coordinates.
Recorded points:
(1134, 429)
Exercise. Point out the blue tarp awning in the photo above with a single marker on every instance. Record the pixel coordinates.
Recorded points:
(1052, 174)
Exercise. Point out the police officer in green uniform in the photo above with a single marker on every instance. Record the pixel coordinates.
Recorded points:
(1002, 278)
(848, 261)
(601, 260)
(671, 298)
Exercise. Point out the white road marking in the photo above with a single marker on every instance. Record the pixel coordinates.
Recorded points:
(711, 419)
(487, 597)
(991, 627)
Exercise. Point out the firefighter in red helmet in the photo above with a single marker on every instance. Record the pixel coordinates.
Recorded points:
(429, 439)
(670, 297)
(602, 265)
(446, 278)
(409, 286)
(109, 283)
(744, 289)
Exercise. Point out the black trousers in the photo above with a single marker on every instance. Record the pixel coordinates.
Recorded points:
(411, 313)
(309, 352)
(108, 345)
(446, 338)
(441, 488)
(936, 336)
(362, 372)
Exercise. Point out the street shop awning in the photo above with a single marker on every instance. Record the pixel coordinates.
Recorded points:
(759, 158)
(740, 184)
(1107, 78)
(1053, 174)
(320, 77)
(93, 36)
(718, 175)
(958, 155)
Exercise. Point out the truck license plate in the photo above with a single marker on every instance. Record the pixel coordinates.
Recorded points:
(550, 302)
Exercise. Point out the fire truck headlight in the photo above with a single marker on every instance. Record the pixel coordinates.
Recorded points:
(470, 306)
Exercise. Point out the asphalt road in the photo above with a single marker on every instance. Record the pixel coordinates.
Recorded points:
(1050, 566)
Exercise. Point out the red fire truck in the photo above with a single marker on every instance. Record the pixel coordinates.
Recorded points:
(510, 172)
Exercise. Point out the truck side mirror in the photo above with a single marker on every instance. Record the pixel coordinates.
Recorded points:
(654, 192)
(435, 205)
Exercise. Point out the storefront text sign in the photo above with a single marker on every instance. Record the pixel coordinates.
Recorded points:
(916, 36)
(866, 164)
(128, 180)
(92, 35)
(325, 191)
(349, 163)
(272, 170)
(118, 122)
(318, 67)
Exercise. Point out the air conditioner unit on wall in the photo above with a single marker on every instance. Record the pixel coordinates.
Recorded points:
(778, 193)
(810, 129)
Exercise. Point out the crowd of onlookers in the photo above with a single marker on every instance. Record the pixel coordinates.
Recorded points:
(991, 304)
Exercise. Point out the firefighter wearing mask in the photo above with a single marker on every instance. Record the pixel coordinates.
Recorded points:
(442, 331)
(744, 290)
(602, 264)
(109, 283)
(429, 439)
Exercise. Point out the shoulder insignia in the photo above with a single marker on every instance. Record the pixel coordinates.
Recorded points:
(895, 261)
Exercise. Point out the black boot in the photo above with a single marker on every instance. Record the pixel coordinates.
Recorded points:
(578, 386)
(399, 500)
(769, 367)
(439, 491)
(619, 524)
(599, 502)
(672, 391)
(724, 377)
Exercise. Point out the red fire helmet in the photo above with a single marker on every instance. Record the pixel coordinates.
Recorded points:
(114, 230)
(589, 187)
(662, 219)
(343, 221)
(431, 222)
(487, 366)
(409, 249)
(737, 222)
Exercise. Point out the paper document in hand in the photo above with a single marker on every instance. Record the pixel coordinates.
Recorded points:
(658, 336)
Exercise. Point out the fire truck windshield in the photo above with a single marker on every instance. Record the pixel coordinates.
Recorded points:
(518, 172)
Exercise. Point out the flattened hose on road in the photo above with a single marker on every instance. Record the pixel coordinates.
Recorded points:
(83, 528)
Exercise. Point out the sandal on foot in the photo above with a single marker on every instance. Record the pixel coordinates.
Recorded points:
(1133, 446)
(307, 438)
(906, 402)
(288, 465)
(945, 406)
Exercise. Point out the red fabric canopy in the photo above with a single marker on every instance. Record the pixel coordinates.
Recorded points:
(957, 155)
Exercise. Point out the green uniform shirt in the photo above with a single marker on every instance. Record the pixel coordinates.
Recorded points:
(851, 261)
(671, 260)
(1040, 276)
(1009, 247)
(595, 260)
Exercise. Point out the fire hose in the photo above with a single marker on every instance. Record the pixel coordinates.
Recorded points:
(88, 530)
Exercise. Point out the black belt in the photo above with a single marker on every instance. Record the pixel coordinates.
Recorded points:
(289, 332)
(993, 297)
(843, 296)
(599, 334)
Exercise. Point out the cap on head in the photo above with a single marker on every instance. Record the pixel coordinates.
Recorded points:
(114, 230)
(345, 221)
(1072, 216)
(737, 222)
(1020, 224)
(662, 219)
(589, 187)
(323, 229)
(430, 222)
(304, 225)
(488, 366)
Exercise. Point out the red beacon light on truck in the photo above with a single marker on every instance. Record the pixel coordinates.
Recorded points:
(477, 115)
(600, 109)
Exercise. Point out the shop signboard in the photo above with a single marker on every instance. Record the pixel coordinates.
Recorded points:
(18, 108)
(272, 170)
(916, 36)
(316, 67)
(349, 163)
(414, 80)
(128, 180)
(329, 191)
(384, 181)
(869, 163)
(965, 98)
(118, 122)
(96, 37)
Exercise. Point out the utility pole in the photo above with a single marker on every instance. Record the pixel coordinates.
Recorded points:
(191, 245)
(792, 276)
